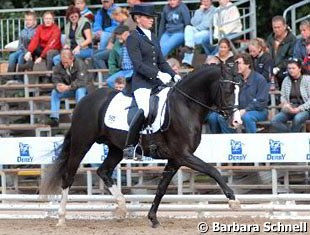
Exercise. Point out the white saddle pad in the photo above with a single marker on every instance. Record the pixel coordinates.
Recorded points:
(116, 115)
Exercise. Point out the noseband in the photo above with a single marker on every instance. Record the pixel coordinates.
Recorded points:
(222, 110)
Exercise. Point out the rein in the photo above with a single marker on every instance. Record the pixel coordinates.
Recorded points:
(221, 111)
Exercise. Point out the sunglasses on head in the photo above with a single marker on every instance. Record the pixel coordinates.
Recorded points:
(292, 59)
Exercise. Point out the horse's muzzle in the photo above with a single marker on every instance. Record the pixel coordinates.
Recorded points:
(236, 120)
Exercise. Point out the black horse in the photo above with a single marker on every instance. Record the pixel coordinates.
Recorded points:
(189, 101)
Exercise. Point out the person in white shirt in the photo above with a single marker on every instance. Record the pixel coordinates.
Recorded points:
(226, 21)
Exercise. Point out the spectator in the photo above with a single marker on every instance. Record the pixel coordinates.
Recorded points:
(174, 18)
(300, 44)
(120, 64)
(227, 21)
(121, 15)
(25, 36)
(199, 31)
(84, 11)
(120, 83)
(280, 44)
(253, 99)
(70, 80)
(306, 60)
(150, 70)
(104, 26)
(78, 35)
(225, 55)
(45, 43)
(295, 99)
(263, 62)
(174, 64)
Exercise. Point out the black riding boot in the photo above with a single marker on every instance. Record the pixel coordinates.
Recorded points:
(133, 134)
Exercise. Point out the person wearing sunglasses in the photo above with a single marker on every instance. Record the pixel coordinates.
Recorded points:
(295, 99)
(78, 35)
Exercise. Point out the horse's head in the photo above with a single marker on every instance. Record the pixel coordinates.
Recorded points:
(211, 89)
(228, 96)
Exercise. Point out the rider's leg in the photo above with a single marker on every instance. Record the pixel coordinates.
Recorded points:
(142, 96)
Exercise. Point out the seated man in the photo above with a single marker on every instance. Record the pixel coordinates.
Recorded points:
(25, 36)
(120, 64)
(253, 99)
(70, 79)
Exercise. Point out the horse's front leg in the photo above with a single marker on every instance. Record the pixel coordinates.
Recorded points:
(197, 164)
(169, 171)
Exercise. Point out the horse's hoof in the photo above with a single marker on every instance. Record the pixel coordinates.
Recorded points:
(155, 225)
(61, 223)
(234, 204)
(120, 213)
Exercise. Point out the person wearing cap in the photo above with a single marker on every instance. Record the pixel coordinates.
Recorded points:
(150, 69)
(119, 62)
(295, 99)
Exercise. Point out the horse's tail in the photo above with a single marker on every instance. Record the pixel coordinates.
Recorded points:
(54, 173)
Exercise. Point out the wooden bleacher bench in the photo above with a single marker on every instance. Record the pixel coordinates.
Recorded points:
(34, 112)
(22, 86)
(22, 127)
(24, 99)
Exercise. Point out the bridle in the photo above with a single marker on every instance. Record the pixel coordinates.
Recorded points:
(221, 110)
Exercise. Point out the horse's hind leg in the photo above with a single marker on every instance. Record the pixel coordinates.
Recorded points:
(62, 207)
(169, 171)
(197, 164)
(105, 171)
(78, 149)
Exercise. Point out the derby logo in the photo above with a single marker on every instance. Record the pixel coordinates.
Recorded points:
(275, 150)
(236, 151)
(24, 153)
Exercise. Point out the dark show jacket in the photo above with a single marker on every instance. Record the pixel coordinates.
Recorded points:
(147, 60)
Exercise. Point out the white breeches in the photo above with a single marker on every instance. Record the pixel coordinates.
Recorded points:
(142, 96)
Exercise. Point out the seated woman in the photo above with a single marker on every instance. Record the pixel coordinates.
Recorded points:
(295, 99)
(263, 62)
(225, 54)
(78, 35)
(45, 43)
(175, 17)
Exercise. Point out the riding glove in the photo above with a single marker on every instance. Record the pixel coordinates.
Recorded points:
(164, 77)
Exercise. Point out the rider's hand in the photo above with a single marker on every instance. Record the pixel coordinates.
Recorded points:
(164, 77)
(177, 78)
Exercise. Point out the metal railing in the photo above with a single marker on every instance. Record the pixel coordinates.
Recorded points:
(12, 20)
(294, 16)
